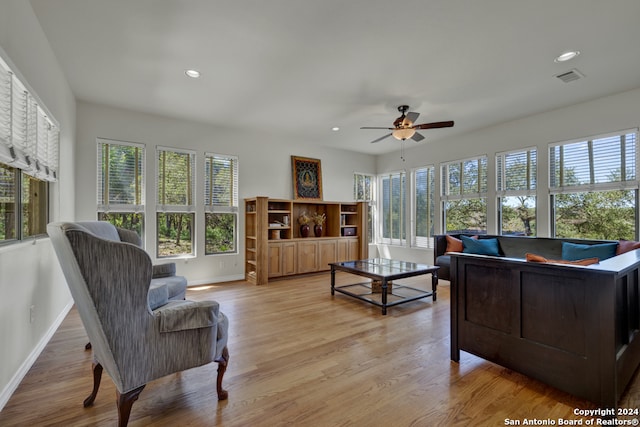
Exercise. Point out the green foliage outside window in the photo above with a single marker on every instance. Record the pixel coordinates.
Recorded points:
(468, 215)
(175, 234)
(220, 233)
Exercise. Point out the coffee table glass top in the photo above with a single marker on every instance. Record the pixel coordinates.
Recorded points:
(384, 267)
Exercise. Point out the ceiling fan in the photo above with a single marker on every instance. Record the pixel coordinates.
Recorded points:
(404, 127)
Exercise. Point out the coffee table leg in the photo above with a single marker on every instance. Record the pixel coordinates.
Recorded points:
(333, 280)
(434, 285)
(384, 296)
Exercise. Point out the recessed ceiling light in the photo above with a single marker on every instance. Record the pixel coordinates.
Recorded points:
(567, 56)
(335, 128)
(194, 74)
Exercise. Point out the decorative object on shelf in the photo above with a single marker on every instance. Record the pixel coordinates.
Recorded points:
(319, 220)
(304, 221)
(307, 178)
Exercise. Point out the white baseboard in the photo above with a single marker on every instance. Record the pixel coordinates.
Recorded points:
(17, 378)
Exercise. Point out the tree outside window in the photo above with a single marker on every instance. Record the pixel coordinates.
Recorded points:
(175, 204)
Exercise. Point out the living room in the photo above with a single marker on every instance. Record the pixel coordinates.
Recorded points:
(35, 298)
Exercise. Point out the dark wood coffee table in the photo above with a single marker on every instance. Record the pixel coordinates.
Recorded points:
(382, 272)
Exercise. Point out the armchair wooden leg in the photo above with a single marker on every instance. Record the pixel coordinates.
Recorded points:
(97, 376)
(125, 402)
(87, 346)
(222, 368)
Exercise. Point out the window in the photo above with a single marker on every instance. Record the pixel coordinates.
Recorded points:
(121, 184)
(175, 205)
(594, 187)
(29, 141)
(424, 206)
(221, 204)
(364, 191)
(516, 181)
(464, 195)
(392, 188)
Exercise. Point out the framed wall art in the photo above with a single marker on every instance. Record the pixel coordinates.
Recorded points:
(307, 178)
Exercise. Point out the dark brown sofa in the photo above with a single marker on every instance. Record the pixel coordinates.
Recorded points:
(572, 327)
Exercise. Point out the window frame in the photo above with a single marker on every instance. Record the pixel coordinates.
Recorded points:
(187, 209)
(557, 172)
(480, 194)
(402, 209)
(423, 242)
(233, 205)
(359, 180)
(531, 182)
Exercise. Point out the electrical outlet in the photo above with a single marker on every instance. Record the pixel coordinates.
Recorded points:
(32, 313)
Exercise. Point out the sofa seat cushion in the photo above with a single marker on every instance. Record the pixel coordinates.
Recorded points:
(578, 251)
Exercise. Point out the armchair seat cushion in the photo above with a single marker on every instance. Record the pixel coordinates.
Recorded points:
(158, 294)
(183, 315)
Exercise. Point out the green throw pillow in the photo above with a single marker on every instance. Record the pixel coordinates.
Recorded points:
(576, 251)
(480, 246)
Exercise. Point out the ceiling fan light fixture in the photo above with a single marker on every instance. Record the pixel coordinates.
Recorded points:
(402, 134)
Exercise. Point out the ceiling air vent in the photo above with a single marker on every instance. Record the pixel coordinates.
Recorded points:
(570, 76)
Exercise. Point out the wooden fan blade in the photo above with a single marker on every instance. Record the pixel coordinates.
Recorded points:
(369, 127)
(417, 137)
(381, 138)
(434, 125)
(413, 116)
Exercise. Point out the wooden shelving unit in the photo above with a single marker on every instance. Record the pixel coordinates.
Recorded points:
(275, 248)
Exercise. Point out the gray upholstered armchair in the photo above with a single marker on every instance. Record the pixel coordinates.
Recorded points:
(109, 281)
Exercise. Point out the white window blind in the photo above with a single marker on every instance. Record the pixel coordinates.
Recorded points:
(464, 178)
(424, 206)
(29, 138)
(516, 172)
(175, 180)
(120, 176)
(601, 162)
(221, 183)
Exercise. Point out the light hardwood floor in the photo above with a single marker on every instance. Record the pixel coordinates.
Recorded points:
(301, 357)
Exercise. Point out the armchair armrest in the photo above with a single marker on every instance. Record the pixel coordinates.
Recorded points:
(184, 315)
(164, 270)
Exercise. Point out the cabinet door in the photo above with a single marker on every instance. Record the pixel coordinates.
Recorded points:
(343, 250)
(307, 257)
(328, 251)
(354, 249)
(275, 259)
(288, 256)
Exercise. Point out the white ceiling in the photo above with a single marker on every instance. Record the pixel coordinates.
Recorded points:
(300, 67)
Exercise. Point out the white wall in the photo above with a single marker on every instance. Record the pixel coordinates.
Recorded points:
(608, 114)
(264, 161)
(29, 271)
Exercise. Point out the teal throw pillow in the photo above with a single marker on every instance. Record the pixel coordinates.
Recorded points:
(480, 246)
(577, 251)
